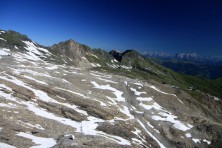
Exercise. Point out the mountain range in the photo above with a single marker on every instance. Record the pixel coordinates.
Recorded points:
(189, 63)
(186, 57)
(70, 95)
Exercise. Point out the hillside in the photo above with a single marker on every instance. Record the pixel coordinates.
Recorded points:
(69, 95)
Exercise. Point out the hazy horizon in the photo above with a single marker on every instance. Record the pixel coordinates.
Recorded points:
(168, 26)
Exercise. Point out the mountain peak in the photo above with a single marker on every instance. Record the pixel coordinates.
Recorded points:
(71, 50)
(187, 56)
(71, 41)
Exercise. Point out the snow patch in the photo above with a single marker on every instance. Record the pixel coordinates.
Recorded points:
(94, 56)
(40, 142)
(216, 98)
(3, 39)
(151, 135)
(149, 107)
(144, 98)
(139, 84)
(188, 135)
(52, 67)
(126, 111)
(108, 87)
(137, 93)
(106, 80)
(4, 145)
(207, 141)
(76, 93)
(9, 105)
(31, 78)
(196, 140)
(4, 52)
(38, 126)
(153, 87)
(171, 118)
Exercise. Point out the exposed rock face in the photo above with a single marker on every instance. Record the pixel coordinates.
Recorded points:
(117, 55)
(75, 51)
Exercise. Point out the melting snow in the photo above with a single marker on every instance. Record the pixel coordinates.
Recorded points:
(208, 142)
(6, 95)
(148, 107)
(216, 98)
(153, 87)
(113, 65)
(76, 93)
(98, 65)
(143, 126)
(33, 52)
(139, 84)
(138, 141)
(38, 126)
(87, 127)
(94, 56)
(144, 98)
(4, 145)
(105, 80)
(93, 65)
(4, 52)
(3, 39)
(171, 118)
(196, 140)
(52, 67)
(108, 87)
(31, 78)
(119, 140)
(136, 92)
(126, 67)
(9, 105)
(126, 111)
(40, 142)
(188, 135)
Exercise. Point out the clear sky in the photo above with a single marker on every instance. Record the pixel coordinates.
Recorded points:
(146, 25)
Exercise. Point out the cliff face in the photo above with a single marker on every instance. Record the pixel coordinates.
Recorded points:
(73, 51)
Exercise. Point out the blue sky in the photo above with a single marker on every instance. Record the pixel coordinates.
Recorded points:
(146, 25)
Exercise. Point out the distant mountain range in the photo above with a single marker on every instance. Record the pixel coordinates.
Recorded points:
(194, 57)
(189, 63)
(156, 54)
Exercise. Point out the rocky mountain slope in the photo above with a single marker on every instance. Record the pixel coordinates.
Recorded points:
(69, 95)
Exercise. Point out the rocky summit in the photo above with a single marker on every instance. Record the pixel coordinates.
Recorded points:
(69, 95)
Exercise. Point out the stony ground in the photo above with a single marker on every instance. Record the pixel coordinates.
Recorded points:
(48, 105)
